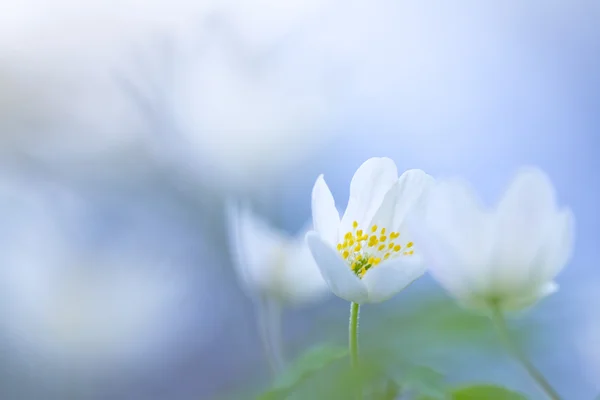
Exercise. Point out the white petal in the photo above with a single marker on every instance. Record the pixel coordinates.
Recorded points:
(303, 280)
(253, 244)
(336, 272)
(370, 183)
(404, 196)
(390, 277)
(556, 250)
(445, 262)
(523, 218)
(326, 219)
(455, 237)
(514, 303)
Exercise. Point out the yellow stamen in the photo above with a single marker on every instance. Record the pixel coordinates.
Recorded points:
(365, 250)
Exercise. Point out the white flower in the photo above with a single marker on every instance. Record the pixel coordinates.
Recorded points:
(271, 263)
(509, 255)
(64, 305)
(367, 256)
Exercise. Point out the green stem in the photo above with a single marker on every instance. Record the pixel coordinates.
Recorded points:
(270, 331)
(500, 323)
(354, 334)
(354, 309)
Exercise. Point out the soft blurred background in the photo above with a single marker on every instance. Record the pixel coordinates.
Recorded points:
(125, 124)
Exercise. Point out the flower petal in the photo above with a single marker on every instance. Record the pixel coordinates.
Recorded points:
(253, 244)
(557, 249)
(403, 197)
(326, 219)
(523, 217)
(389, 278)
(370, 183)
(445, 262)
(340, 279)
(454, 236)
(528, 299)
(304, 282)
(551, 257)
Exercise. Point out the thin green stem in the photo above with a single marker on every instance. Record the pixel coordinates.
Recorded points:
(500, 323)
(354, 310)
(354, 334)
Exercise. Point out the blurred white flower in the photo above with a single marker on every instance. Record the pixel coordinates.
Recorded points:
(367, 256)
(207, 76)
(64, 306)
(271, 263)
(509, 255)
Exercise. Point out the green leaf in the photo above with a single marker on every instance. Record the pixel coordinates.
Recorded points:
(425, 382)
(305, 366)
(488, 392)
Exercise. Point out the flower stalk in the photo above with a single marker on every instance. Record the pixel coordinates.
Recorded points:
(353, 342)
(536, 375)
(269, 320)
(354, 310)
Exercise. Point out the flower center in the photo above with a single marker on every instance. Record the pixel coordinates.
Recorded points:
(366, 249)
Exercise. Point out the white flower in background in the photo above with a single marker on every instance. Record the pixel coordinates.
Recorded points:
(509, 255)
(67, 307)
(368, 256)
(217, 89)
(270, 262)
(95, 317)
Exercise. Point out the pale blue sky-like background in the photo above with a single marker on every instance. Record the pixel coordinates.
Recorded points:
(123, 126)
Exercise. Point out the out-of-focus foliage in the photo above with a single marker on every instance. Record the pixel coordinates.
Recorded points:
(391, 353)
(488, 392)
(425, 381)
(307, 365)
(318, 375)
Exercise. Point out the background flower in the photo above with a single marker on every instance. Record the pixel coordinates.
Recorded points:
(76, 315)
(270, 262)
(509, 255)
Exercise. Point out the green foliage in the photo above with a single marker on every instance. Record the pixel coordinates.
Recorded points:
(394, 341)
(488, 392)
(425, 382)
(306, 365)
(324, 373)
